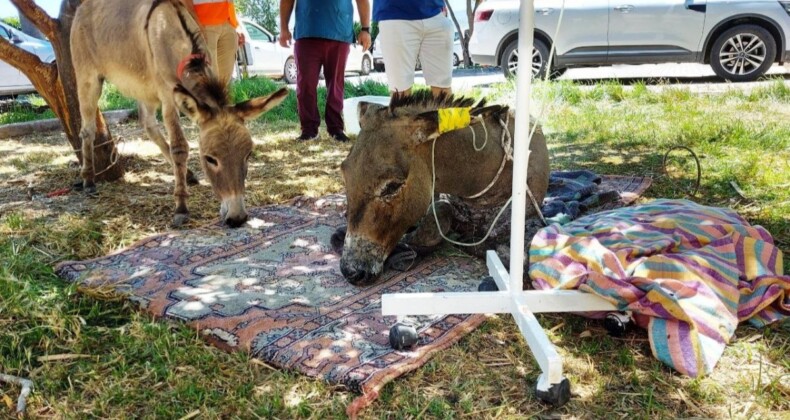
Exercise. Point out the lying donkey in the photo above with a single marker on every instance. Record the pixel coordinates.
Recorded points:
(389, 173)
(153, 51)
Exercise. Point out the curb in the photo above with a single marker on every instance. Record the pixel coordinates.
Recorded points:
(52, 124)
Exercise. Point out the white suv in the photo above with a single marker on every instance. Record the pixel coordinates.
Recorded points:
(740, 39)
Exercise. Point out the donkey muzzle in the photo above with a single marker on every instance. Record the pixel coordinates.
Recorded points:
(232, 211)
(362, 260)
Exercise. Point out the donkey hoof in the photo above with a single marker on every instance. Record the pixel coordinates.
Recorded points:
(179, 219)
(191, 178)
(90, 190)
(77, 185)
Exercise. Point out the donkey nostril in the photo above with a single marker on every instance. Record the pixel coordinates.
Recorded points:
(353, 276)
(235, 222)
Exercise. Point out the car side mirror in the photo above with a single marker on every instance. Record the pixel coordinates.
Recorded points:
(16, 39)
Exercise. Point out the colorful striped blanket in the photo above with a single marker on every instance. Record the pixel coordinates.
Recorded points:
(689, 274)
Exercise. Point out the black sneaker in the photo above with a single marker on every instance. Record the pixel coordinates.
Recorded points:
(307, 137)
(341, 137)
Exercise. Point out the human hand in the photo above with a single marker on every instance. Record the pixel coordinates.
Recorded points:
(364, 40)
(285, 38)
(240, 35)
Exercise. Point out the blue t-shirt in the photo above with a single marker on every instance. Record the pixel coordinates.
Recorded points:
(406, 9)
(328, 19)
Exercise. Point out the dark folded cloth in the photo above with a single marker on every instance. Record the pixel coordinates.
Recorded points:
(572, 193)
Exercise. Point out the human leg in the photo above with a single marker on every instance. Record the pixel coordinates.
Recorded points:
(436, 54)
(212, 34)
(308, 56)
(335, 57)
(227, 44)
(400, 44)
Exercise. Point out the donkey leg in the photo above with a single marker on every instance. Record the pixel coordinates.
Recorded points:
(179, 152)
(89, 91)
(147, 113)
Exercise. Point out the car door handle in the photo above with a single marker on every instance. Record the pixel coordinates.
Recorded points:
(625, 8)
(545, 11)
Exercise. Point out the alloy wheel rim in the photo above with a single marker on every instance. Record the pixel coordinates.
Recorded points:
(291, 70)
(537, 62)
(742, 54)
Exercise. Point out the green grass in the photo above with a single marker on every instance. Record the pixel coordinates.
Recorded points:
(139, 367)
(240, 90)
(111, 99)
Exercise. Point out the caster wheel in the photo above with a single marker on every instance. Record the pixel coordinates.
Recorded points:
(616, 323)
(487, 285)
(402, 336)
(557, 395)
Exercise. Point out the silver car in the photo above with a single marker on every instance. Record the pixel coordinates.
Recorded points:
(740, 39)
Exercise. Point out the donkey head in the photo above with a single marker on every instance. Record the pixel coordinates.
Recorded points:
(388, 178)
(225, 142)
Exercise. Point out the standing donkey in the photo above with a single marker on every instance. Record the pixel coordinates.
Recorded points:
(153, 51)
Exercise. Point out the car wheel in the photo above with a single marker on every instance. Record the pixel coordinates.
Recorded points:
(379, 67)
(289, 71)
(365, 66)
(418, 66)
(540, 53)
(743, 53)
(456, 60)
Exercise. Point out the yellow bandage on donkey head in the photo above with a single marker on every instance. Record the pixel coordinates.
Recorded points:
(453, 118)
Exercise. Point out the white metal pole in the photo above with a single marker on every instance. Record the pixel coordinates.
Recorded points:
(521, 150)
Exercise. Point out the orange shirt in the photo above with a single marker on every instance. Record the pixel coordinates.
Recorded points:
(215, 12)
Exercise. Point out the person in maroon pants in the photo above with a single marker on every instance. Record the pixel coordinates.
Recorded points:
(323, 32)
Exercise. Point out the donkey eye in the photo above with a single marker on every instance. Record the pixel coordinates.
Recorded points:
(211, 160)
(392, 188)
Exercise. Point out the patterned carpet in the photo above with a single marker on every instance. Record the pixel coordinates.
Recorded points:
(274, 289)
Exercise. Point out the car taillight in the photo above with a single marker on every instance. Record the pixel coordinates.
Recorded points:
(786, 6)
(483, 15)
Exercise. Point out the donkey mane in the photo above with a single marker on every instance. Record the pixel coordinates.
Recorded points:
(423, 101)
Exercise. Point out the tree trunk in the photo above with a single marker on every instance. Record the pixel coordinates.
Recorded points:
(57, 83)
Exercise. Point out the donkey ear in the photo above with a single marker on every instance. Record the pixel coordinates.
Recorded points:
(364, 107)
(252, 109)
(426, 127)
(188, 105)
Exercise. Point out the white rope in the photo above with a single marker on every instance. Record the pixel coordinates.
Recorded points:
(114, 157)
(507, 148)
(474, 135)
(436, 217)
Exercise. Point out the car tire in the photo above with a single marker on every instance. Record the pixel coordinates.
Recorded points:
(289, 71)
(456, 60)
(379, 67)
(540, 53)
(743, 53)
(366, 66)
